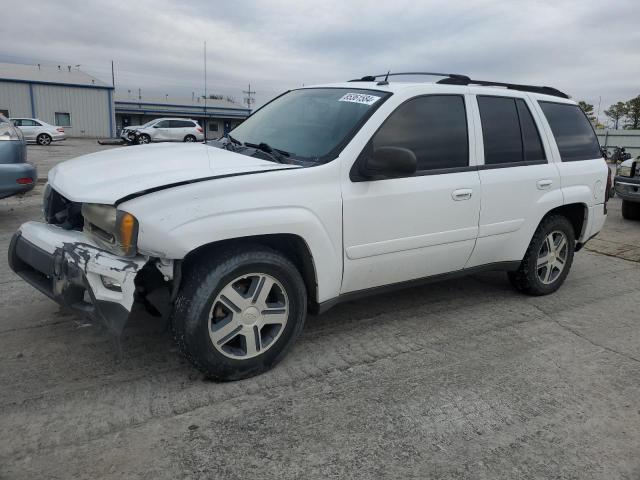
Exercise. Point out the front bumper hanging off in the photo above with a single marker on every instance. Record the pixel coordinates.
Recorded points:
(67, 267)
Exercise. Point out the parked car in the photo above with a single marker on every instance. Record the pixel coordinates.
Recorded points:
(35, 130)
(164, 130)
(627, 186)
(324, 195)
(16, 175)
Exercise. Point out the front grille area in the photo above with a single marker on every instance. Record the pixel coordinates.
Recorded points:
(60, 211)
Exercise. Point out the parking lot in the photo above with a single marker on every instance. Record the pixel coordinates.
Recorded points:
(459, 379)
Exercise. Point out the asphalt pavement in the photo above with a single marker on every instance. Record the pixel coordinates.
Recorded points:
(459, 379)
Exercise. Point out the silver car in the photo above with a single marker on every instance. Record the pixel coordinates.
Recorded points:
(16, 175)
(164, 130)
(35, 130)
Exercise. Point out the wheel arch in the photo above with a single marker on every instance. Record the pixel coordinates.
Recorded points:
(292, 246)
(577, 214)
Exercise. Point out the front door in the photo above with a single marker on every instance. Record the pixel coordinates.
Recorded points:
(400, 229)
(161, 131)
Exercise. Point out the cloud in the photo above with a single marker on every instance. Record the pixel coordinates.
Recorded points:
(587, 48)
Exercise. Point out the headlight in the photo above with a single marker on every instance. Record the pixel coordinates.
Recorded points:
(113, 229)
(624, 171)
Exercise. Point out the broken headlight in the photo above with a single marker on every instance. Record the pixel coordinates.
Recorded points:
(624, 171)
(114, 230)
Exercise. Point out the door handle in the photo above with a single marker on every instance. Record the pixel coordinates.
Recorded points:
(461, 194)
(544, 184)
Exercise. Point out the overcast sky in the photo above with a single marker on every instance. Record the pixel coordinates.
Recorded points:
(586, 48)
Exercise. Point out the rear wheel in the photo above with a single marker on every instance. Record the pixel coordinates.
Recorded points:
(238, 313)
(630, 210)
(548, 259)
(190, 138)
(43, 139)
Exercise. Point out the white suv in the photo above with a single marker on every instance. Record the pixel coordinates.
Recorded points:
(164, 130)
(325, 194)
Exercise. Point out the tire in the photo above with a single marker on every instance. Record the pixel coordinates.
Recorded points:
(203, 312)
(548, 277)
(43, 139)
(190, 139)
(630, 210)
(143, 139)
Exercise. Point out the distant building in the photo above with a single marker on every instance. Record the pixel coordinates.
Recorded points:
(221, 116)
(87, 107)
(63, 96)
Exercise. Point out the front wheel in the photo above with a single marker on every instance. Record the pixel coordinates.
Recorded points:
(630, 210)
(239, 312)
(144, 139)
(548, 259)
(43, 139)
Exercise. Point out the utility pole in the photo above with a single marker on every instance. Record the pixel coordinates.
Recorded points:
(113, 77)
(205, 91)
(248, 100)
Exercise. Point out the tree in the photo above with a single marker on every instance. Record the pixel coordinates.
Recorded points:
(587, 108)
(616, 112)
(633, 113)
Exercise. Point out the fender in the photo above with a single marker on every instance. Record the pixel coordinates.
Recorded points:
(305, 202)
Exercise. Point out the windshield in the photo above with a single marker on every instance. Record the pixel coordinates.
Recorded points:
(309, 123)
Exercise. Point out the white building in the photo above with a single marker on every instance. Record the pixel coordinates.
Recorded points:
(62, 96)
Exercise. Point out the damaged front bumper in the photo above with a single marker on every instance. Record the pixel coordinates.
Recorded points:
(67, 267)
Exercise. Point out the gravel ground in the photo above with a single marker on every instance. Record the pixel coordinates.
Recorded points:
(460, 379)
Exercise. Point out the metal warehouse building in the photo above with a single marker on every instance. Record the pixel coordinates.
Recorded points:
(62, 96)
(86, 107)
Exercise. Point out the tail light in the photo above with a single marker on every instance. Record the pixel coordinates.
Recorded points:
(199, 129)
(25, 181)
(60, 129)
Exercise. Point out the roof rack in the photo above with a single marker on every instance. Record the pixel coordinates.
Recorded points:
(457, 79)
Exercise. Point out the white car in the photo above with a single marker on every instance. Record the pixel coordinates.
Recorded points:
(324, 195)
(164, 130)
(35, 130)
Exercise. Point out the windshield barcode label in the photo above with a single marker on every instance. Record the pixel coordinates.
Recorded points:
(360, 98)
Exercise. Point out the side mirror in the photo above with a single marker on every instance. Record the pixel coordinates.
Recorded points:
(388, 162)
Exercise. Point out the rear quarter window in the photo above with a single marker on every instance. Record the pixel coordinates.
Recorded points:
(572, 130)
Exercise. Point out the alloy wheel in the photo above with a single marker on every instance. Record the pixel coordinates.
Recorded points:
(248, 316)
(552, 257)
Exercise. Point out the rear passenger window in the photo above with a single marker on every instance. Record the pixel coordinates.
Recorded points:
(181, 124)
(434, 127)
(574, 135)
(509, 132)
(500, 130)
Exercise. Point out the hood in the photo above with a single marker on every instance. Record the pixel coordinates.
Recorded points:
(107, 176)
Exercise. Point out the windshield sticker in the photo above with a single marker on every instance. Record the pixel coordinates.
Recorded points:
(359, 98)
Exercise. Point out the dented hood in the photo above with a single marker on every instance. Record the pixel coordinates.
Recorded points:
(107, 176)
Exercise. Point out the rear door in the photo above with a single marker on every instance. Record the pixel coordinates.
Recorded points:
(399, 229)
(582, 168)
(519, 182)
(180, 129)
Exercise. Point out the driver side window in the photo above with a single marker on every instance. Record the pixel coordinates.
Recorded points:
(434, 127)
